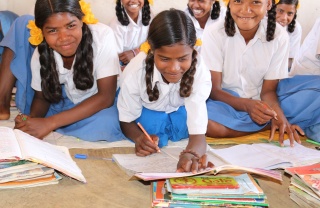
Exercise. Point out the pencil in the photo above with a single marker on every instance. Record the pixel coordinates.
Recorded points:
(312, 142)
(146, 133)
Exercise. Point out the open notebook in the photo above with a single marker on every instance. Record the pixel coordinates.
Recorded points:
(17, 145)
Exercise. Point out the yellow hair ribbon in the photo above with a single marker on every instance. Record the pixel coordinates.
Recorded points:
(198, 42)
(36, 36)
(226, 2)
(145, 47)
(88, 17)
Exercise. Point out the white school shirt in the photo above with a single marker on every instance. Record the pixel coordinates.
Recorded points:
(133, 94)
(245, 66)
(131, 36)
(306, 62)
(105, 64)
(295, 39)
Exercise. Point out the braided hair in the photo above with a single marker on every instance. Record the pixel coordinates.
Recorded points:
(215, 12)
(230, 29)
(167, 28)
(292, 24)
(123, 17)
(83, 67)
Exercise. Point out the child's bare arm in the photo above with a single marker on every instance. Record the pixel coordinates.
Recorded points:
(143, 145)
(193, 158)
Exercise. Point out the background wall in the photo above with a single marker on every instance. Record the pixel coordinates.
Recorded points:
(104, 9)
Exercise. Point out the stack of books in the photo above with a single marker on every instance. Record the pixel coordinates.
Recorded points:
(305, 185)
(24, 158)
(230, 190)
(24, 174)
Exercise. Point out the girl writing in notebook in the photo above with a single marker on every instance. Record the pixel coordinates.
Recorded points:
(74, 74)
(287, 18)
(130, 27)
(247, 55)
(165, 88)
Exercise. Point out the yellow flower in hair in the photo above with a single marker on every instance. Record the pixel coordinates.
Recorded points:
(298, 5)
(276, 1)
(145, 47)
(198, 42)
(226, 2)
(150, 2)
(88, 17)
(36, 36)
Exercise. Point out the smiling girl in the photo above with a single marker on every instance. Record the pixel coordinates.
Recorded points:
(165, 89)
(74, 74)
(247, 55)
(204, 13)
(130, 27)
(286, 17)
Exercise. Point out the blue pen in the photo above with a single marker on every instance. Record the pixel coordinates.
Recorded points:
(84, 156)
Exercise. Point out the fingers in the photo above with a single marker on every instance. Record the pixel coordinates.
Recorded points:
(145, 147)
(272, 132)
(190, 163)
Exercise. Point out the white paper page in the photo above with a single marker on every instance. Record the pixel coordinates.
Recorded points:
(249, 156)
(163, 162)
(9, 146)
(57, 157)
(268, 156)
(298, 155)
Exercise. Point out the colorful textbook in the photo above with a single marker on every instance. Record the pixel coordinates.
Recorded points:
(18, 145)
(246, 193)
(307, 179)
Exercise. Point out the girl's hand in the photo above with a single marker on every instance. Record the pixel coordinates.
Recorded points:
(285, 127)
(37, 127)
(126, 56)
(144, 147)
(260, 112)
(190, 162)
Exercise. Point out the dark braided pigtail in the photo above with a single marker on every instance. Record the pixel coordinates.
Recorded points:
(50, 83)
(229, 23)
(146, 17)
(292, 24)
(83, 66)
(271, 27)
(188, 78)
(121, 14)
(153, 93)
(215, 13)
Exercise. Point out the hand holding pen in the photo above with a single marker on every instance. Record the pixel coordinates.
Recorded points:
(146, 144)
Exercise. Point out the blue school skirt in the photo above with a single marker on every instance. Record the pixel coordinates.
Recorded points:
(226, 115)
(167, 126)
(299, 98)
(102, 126)
(17, 40)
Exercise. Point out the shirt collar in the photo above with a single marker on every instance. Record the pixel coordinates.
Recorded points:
(139, 21)
(261, 32)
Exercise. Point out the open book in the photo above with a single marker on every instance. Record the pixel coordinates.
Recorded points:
(164, 165)
(268, 156)
(18, 145)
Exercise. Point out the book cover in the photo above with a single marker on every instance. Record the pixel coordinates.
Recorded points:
(204, 182)
(309, 174)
